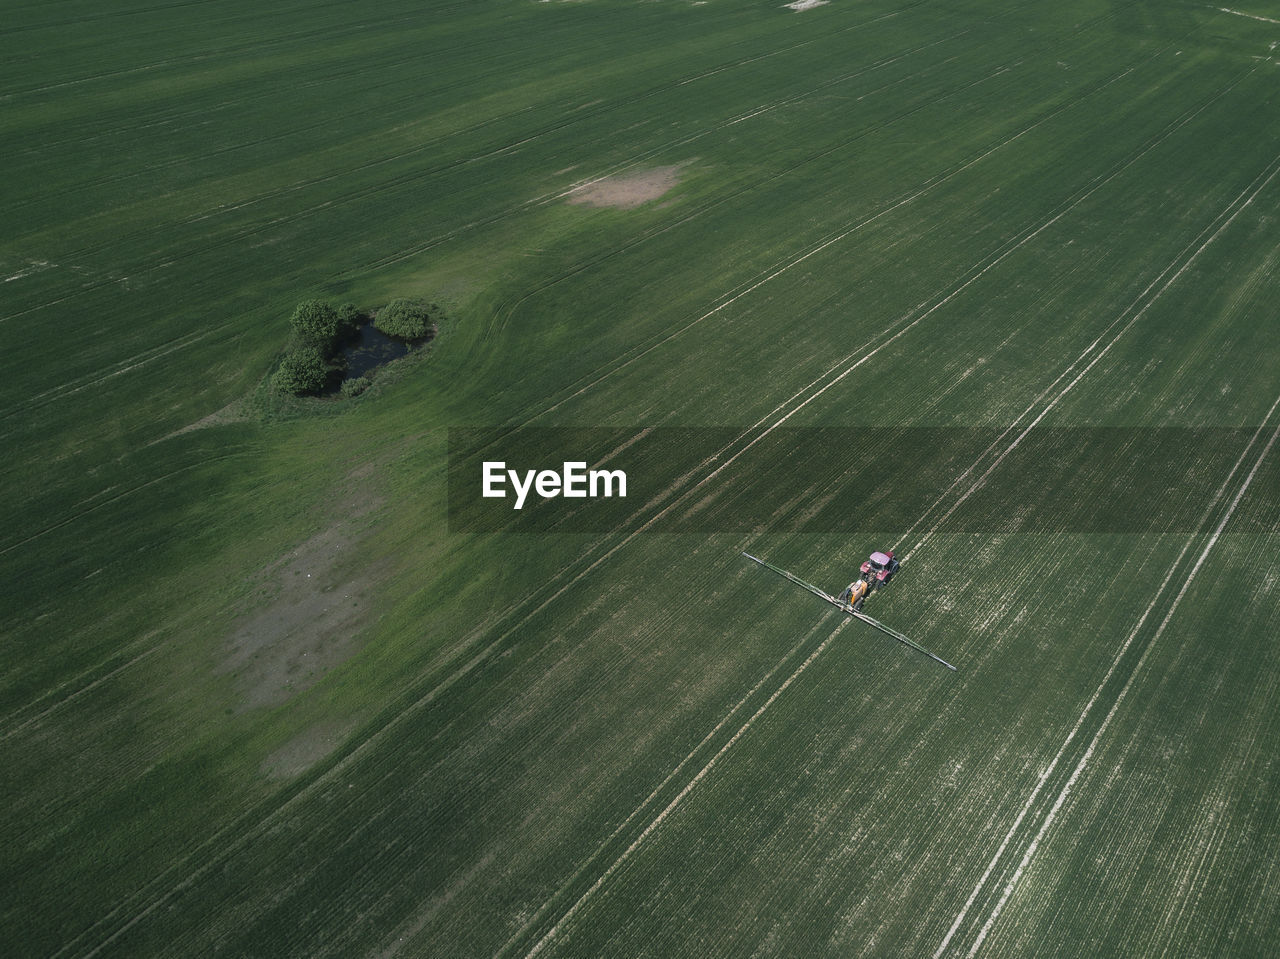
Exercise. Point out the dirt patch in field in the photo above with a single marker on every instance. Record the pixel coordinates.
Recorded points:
(305, 750)
(806, 4)
(317, 602)
(233, 412)
(628, 191)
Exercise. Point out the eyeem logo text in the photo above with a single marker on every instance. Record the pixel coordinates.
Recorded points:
(574, 481)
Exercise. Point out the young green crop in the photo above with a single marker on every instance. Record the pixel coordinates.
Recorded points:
(259, 699)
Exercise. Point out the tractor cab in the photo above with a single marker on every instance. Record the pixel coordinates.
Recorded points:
(879, 569)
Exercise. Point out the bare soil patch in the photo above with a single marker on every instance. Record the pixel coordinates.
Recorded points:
(628, 191)
(319, 602)
(305, 750)
(233, 412)
(310, 624)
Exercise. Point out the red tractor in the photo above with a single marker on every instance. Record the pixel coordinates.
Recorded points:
(876, 571)
(879, 569)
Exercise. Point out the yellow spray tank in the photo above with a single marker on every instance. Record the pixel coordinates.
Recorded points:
(856, 592)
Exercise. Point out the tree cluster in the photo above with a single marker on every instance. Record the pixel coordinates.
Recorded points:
(303, 370)
(316, 357)
(408, 319)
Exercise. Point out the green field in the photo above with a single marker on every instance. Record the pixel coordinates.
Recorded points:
(257, 698)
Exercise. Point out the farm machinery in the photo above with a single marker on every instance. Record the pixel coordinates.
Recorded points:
(874, 574)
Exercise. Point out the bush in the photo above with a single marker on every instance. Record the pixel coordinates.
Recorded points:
(355, 386)
(303, 370)
(317, 323)
(406, 318)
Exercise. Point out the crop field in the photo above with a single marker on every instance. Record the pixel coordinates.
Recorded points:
(992, 285)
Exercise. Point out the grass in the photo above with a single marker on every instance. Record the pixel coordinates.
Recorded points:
(631, 743)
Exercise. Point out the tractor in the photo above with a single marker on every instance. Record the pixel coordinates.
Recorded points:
(879, 569)
(876, 571)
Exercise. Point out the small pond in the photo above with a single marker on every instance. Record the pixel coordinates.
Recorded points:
(370, 349)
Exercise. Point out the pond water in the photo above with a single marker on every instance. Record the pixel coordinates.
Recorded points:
(371, 349)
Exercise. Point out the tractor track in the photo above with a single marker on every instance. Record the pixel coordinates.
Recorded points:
(498, 321)
(1026, 236)
(97, 378)
(495, 149)
(160, 118)
(783, 266)
(1240, 203)
(65, 389)
(658, 820)
(12, 726)
(181, 342)
(164, 119)
(1186, 579)
(300, 38)
(504, 313)
(1134, 312)
(243, 451)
